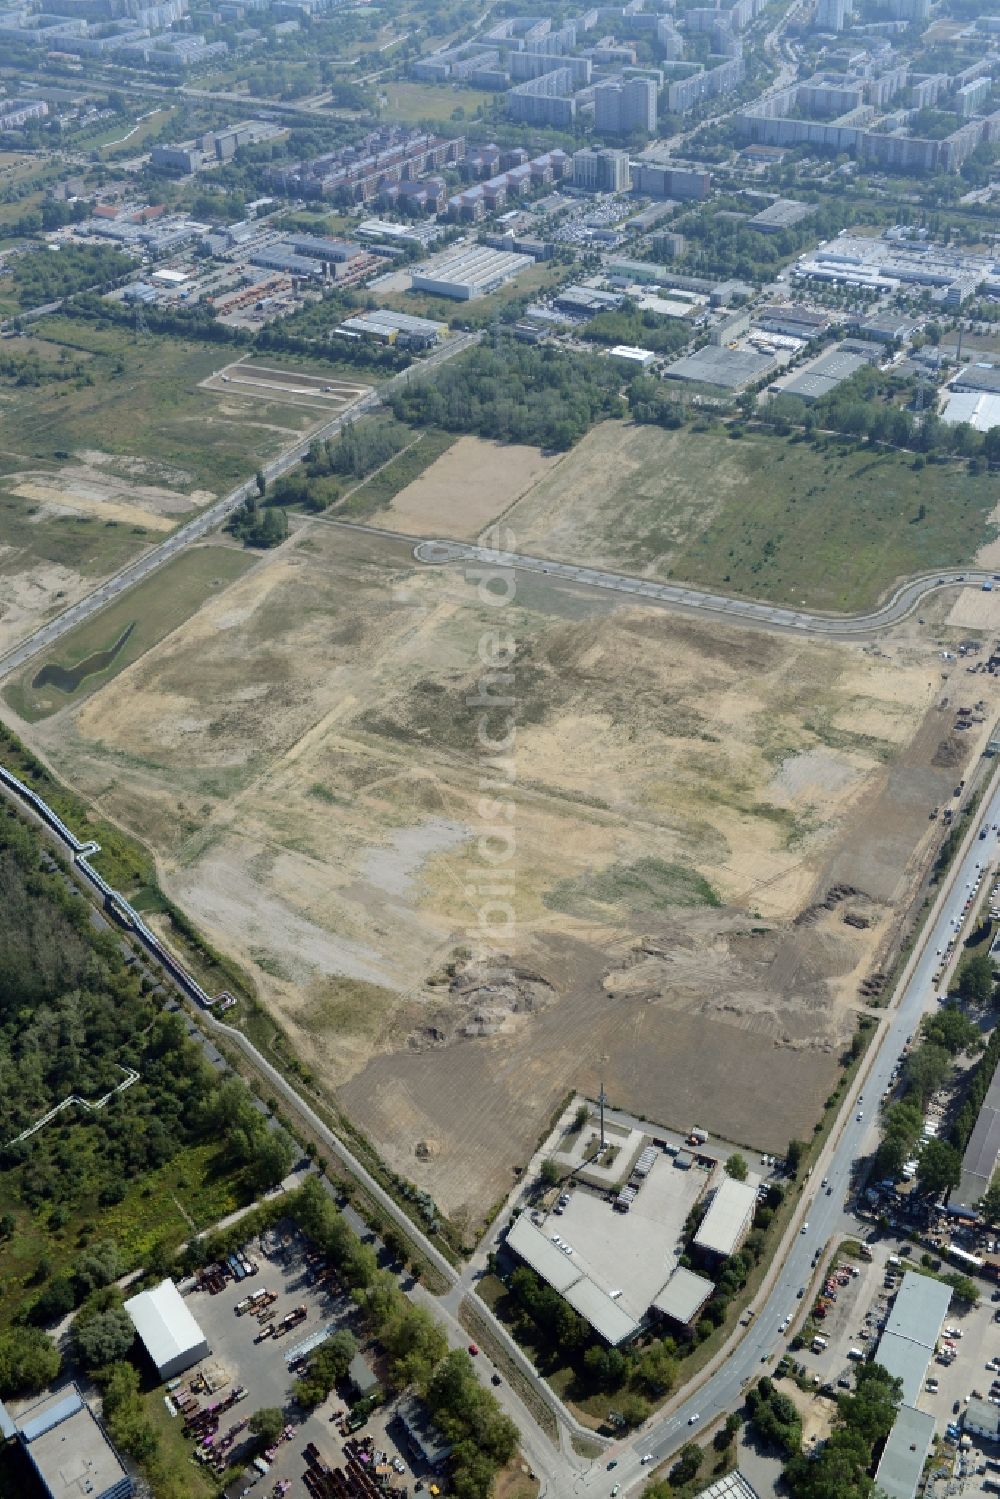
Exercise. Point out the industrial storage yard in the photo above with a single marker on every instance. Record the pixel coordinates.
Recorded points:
(299, 756)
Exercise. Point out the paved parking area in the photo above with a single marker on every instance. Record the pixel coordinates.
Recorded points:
(853, 1321)
(263, 1367)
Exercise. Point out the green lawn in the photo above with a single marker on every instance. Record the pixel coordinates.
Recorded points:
(831, 525)
(149, 612)
(146, 402)
(410, 102)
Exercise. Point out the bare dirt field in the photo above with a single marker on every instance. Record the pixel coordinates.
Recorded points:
(465, 489)
(693, 811)
(89, 490)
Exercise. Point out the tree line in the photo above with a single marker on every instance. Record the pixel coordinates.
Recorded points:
(514, 393)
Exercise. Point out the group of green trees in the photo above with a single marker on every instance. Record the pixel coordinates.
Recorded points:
(360, 449)
(841, 1467)
(630, 325)
(23, 367)
(774, 1417)
(945, 1035)
(721, 245)
(73, 1014)
(43, 276)
(416, 1348)
(258, 525)
(514, 393)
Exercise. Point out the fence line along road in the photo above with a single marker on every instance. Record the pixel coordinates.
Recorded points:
(207, 520)
(901, 603)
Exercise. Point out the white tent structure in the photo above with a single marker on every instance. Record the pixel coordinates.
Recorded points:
(171, 1336)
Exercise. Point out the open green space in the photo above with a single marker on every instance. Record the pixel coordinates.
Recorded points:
(412, 102)
(828, 523)
(142, 399)
(104, 645)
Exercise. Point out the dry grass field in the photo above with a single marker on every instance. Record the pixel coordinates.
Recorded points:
(465, 489)
(302, 755)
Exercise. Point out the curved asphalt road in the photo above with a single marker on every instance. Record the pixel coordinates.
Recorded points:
(902, 603)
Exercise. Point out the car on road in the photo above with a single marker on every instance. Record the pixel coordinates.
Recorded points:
(473, 1349)
(805, 1227)
(694, 1418)
(801, 1292)
(496, 1379)
(860, 1115)
(612, 1464)
(646, 1458)
(616, 1490)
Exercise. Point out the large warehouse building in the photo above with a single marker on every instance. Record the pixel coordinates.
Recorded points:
(168, 1332)
(472, 273)
(905, 1349)
(67, 1447)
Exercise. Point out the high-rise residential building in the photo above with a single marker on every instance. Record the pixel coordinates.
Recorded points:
(601, 170)
(620, 108)
(831, 15)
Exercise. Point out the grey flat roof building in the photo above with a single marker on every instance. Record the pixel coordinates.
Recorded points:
(980, 1159)
(905, 1453)
(978, 377)
(68, 1450)
(729, 369)
(913, 1328)
(824, 374)
(781, 214)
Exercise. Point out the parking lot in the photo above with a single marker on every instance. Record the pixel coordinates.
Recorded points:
(262, 1367)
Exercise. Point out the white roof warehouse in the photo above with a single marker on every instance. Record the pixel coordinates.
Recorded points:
(169, 1333)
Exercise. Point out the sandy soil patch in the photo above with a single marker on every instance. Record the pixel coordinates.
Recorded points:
(466, 488)
(572, 512)
(975, 610)
(304, 758)
(28, 597)
(89, 491)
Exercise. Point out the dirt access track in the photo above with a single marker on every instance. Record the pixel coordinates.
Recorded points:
(304, 754)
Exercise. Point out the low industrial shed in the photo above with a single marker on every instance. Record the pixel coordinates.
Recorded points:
(168, 1332)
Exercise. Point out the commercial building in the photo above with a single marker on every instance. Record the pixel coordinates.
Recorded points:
(732, 1486)
(981, 1419)
(907, 1345)
(978, 377)
(902, 1464)
(980, 409)
(728, 1220)
(566, 1275)
(386, 326)
(68, 1449)
(601, 170)
(791, 321)
(623, 107)
(421, 1433)
(471, 273)
(167, 1330)
(659, 180)
(728, 370)
(824, 374)
(730, 329)
(635, 272)
(633, 359)
(980, 1159)
(586, 301)
(783, 213)
(885, 328)
(683, 1297)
